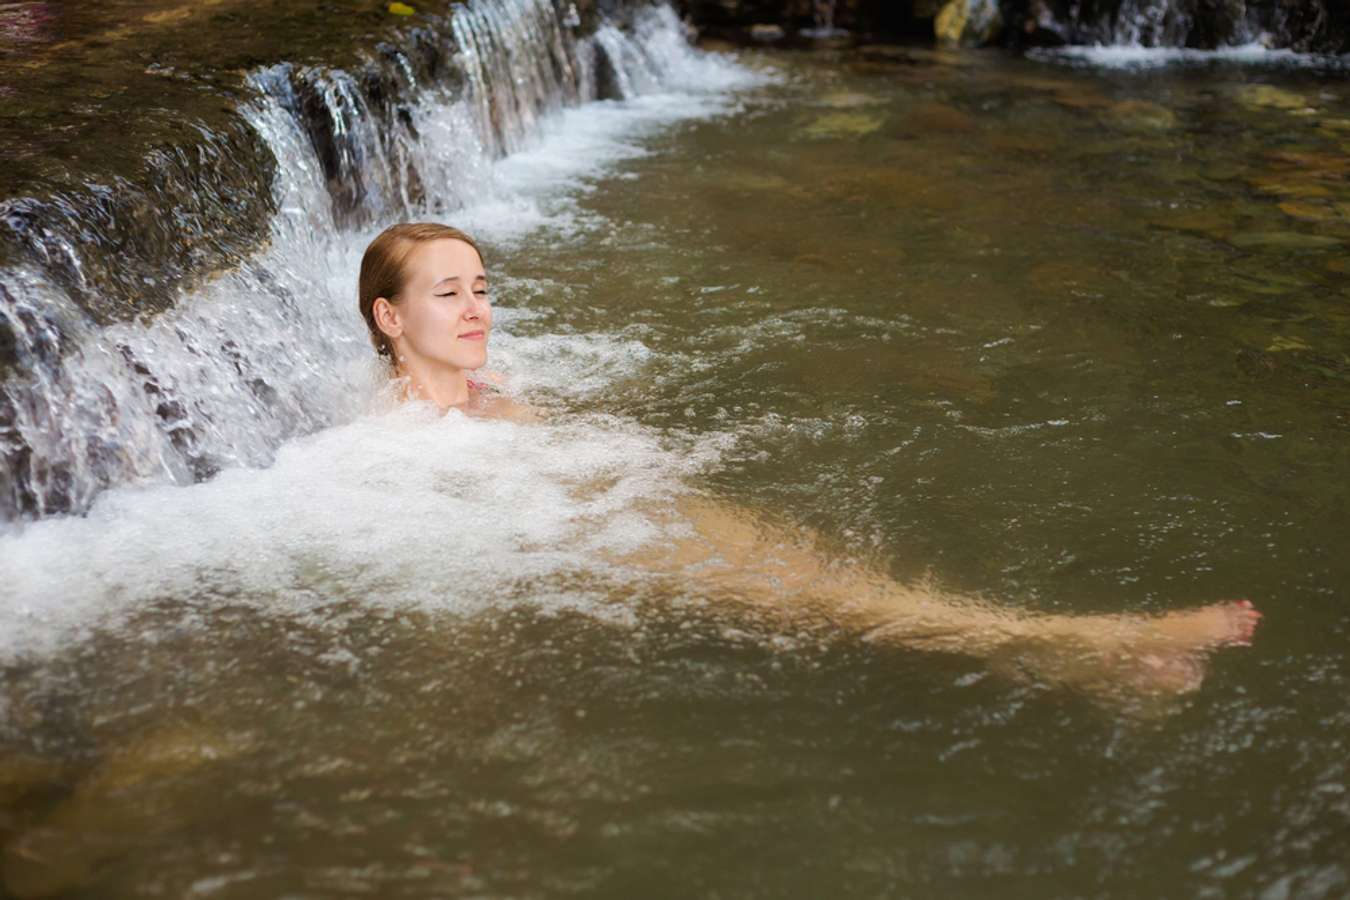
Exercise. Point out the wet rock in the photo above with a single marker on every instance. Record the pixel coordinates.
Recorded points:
(1265, 96)
(968, 23)
(1141, 115)
(766, 33)
(147, 787)
(843, 125)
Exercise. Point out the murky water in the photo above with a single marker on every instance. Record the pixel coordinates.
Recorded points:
(1073, 340)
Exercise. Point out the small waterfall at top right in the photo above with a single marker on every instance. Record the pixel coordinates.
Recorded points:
(1306, 26)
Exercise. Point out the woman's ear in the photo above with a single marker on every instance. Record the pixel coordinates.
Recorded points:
(387, 318)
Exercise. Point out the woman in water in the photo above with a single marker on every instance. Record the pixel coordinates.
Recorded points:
(424, 296)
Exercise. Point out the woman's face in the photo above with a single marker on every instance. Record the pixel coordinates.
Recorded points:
(443, 311)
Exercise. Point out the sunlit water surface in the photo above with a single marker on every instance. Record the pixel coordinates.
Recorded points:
(1069, 339)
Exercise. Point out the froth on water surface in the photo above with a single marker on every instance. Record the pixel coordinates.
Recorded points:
(405, 509)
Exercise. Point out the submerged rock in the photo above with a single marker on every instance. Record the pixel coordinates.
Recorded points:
(968, 23)
(1267, 96)
(849, 100)
(1142, 115)
(843, 125)
(152, 785)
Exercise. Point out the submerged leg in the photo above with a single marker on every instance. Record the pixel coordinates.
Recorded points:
(773, 566)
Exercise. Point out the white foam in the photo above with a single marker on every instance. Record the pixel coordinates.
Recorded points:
(1128, 56)
(404, 508)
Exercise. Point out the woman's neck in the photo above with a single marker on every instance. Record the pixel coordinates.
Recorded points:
(441, 385)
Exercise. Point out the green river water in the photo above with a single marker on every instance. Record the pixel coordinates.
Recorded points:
(1072, 340)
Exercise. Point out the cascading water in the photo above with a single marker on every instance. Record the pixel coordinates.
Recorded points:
(270, 347)
(1310, 25)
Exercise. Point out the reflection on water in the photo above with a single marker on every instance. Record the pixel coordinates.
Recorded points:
(1074, 341)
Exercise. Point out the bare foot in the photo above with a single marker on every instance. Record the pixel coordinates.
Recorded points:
(1169, 652)
(1229, 623)
(1156, 654)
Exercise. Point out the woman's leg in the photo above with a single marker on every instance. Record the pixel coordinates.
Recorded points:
(768, 564)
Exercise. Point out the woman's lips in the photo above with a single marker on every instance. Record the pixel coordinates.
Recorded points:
(472, 336)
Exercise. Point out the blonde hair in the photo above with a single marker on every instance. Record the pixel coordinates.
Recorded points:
(382, 273)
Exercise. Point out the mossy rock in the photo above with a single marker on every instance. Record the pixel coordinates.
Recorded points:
(967, 23)
(1265, 96)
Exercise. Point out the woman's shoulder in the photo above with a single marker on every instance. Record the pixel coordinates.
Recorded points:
(492, 399)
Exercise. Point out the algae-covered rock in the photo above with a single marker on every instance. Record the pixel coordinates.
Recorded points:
(968, 23)
(1267, 96)
(843, 125)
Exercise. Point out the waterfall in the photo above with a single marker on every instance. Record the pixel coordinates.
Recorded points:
(1308, 25)
(261, 343)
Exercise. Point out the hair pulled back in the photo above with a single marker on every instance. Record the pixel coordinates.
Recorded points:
(382, 273)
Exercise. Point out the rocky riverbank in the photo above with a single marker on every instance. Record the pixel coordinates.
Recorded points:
(1321, 26)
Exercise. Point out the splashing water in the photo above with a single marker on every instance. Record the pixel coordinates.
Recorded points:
(272, 349)
(224, 387)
